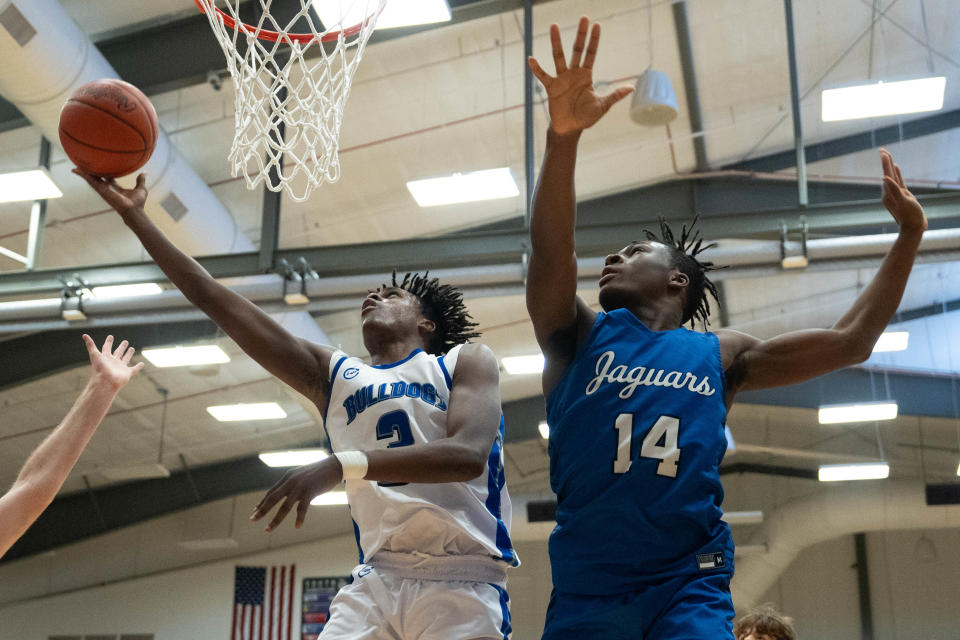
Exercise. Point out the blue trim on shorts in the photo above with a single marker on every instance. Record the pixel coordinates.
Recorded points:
(505, 627)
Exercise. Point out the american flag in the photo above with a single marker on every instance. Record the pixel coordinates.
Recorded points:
(263, 603)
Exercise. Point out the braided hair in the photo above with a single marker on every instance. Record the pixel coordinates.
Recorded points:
(685, 250)
(443, 305)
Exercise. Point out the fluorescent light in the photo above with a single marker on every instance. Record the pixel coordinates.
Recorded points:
(882, 99)
(127, 290)
(330, 497)
(523, 365)
(742, 517)
(861, 412)
(859, 471)
(464, 187)
(27, 185)
(544, 430)
(292, 458)
(397, 13)
(186, 356)
(958, 469)
(241, 412)
(892, 341)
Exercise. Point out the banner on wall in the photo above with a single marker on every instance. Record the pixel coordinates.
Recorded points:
(263, 603)
(317, 595)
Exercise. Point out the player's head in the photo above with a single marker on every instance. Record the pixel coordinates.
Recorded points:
(764, 623)
(420, 304)
(661, 269)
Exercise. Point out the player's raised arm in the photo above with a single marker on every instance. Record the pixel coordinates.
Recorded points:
(49, 465)
(473, 422)
(299, 363)
(801, 355)
(574, 106)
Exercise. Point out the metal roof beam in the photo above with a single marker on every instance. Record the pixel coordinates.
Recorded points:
(729, 207)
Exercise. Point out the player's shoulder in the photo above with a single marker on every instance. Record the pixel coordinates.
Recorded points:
(476, 358)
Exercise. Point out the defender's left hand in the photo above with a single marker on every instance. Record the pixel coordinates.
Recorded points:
(298, 487)
(898, 200)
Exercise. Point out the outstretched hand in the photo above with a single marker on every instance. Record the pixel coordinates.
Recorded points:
(573, 103)
(122, 200)
(898, 200)
(109, 365)
(298, 487)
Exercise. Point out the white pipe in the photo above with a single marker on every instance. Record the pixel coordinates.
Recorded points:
(830, 513)
(39, 77)
(337, 293)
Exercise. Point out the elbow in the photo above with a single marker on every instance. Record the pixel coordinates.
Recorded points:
(470, 465)
(857, 348)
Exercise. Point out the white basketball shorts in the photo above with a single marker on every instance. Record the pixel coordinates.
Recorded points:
(380, 605)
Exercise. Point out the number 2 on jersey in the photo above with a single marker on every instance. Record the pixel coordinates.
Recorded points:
(394, 423)
(666, 428)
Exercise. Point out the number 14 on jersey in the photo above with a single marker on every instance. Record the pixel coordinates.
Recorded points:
(660, 444)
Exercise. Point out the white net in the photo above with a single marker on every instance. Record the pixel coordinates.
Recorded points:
(292, 64)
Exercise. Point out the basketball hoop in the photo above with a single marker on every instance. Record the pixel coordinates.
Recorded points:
(291, 88)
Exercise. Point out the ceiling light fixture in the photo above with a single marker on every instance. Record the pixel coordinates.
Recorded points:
(544, 430)
(330, 498)
(397, 13)
(892, 341)
(34, 184)
(127, 290)
(859, 412)
(858, 471)
(292, 457)
(882, 99)
(245, 412)
(186, 356)
(523, 365)
(476, 186)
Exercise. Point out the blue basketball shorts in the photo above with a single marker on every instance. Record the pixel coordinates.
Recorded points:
(695, 607)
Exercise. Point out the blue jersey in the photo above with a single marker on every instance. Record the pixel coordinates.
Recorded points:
(636, 440)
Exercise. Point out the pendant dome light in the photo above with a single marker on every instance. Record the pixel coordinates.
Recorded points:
(654, 102)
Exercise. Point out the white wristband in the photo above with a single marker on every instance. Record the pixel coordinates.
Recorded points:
(354, 464)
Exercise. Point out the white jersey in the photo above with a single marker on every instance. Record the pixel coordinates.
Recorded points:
(404, 403)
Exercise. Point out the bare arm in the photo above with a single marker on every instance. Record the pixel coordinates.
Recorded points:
(473, 420)
(801, 355)
(299, 363)
(49, 465)
(552, 301)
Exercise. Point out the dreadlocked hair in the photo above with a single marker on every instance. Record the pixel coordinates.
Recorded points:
(443, 304)
(685, 250)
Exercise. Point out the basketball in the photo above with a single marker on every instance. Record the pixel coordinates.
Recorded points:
(108, 128)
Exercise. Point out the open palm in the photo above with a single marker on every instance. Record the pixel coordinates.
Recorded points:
(122, 200)
(572, 101)
(109, 364)
(898, 199)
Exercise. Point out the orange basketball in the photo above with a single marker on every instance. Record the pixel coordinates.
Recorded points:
(108, 128)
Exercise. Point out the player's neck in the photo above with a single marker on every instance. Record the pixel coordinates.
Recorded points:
(395, 350)
(657, 315)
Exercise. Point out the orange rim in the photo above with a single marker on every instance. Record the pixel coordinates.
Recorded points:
(274, 36)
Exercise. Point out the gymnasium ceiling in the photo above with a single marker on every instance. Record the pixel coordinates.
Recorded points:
(450, 98)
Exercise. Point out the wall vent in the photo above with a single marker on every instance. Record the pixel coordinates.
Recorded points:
(173, 206)
(16, 25)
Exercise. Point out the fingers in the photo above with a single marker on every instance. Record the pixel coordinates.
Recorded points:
(579, 42)
(141, 181)
(137, 368)
(592, 47)
(614, 97)
(120, 350)
(94, 181)
(544, 78)
(558, 61)
(281, 514)
(900, 181)
(128, 355)
(107, 346)
(302, 507)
